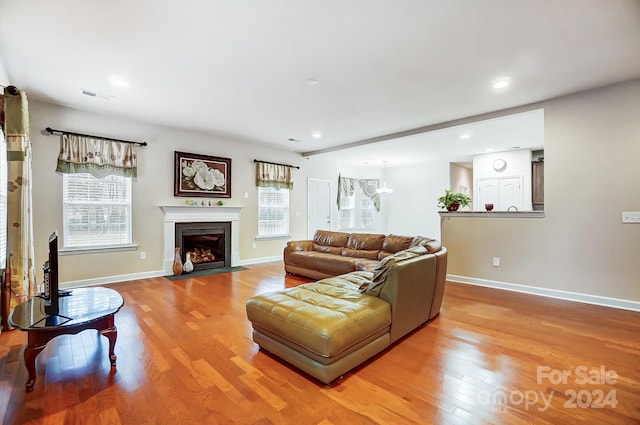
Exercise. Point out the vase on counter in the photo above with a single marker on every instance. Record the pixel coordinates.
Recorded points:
(177, 263)
(187, 267)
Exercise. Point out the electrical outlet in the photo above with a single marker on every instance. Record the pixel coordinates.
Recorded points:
(631, 217)
(496, 261)
(253, 245)
(143, 255)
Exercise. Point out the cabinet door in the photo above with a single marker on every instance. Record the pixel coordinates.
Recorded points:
(537, 181)
(502, 192)
(489, 194)
(510, 193)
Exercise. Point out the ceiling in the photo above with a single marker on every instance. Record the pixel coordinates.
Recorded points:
(242, 69)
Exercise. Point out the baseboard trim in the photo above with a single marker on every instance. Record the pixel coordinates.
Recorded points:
(155, 273)
(551, 293)
(110, 279)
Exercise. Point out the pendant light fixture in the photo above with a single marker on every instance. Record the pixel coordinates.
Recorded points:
(383, 184)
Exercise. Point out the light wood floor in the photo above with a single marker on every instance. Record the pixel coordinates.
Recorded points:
(185, 356)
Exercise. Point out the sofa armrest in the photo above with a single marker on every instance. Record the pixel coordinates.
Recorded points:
(410, 288)
(300, 245)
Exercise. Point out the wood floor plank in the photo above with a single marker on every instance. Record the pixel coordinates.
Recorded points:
(185, 355)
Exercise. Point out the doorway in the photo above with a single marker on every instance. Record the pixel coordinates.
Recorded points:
(318, 206)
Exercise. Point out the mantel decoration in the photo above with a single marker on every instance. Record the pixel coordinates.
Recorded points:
(452, 201)
(202, 175)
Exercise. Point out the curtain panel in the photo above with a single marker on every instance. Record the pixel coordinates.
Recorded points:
(19, 198)
(347, 187)
(98, 157)
(369, 187)
(273, 175)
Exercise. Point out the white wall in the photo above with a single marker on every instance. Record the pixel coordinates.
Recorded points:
(4, 77)
(411, 208)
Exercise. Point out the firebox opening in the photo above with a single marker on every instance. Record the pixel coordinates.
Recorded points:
(209, 244)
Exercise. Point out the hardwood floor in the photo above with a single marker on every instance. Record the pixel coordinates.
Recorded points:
(185, 356)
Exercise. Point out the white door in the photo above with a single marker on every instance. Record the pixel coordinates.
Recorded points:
(511, 193)
(318, 206)
(488, 194)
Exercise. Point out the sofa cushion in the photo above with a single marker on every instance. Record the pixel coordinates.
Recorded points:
(322, 262)
(336, 250)
(369, 241)
(395, 243)
(328, 238)
(364, 264)
(370, 254)
(326, 317)
(432, 245)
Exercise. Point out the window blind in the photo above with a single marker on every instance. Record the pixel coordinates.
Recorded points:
(273, 211)
(96, 211)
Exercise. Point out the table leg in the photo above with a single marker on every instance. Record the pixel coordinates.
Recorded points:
(31, 351)
(112, 334)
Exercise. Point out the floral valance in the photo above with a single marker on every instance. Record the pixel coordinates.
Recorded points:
(273, 175)
(347, 187)
(98, 157)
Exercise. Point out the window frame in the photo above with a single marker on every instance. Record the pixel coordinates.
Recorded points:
(356, 211)
(287, 213)
(123, 183)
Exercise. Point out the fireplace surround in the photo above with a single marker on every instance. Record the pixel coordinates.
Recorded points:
(195, 214)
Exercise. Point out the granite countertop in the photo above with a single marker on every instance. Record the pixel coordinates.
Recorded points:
(493, 214)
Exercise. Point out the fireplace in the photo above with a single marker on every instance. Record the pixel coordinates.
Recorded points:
(176, 214)
(208, 243)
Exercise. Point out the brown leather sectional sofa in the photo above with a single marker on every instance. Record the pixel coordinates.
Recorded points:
(328, 327)
(334, 253)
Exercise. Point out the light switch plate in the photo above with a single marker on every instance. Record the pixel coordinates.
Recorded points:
(631, 217)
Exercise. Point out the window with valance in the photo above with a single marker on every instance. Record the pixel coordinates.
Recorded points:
(274, 182)
(358, 203)
(97, 191)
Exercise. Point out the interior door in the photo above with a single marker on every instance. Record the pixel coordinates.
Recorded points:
(318, 206)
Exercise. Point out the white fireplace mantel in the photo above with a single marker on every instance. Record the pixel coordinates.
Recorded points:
(195, 214)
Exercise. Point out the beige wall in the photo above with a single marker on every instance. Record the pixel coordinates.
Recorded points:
(154, 187)
(461, 177)
(592, 174)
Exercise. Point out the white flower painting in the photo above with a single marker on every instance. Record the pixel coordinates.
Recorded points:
(201, 176)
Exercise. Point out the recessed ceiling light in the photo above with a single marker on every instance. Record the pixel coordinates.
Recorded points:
(118, 81)
(316, 135)
(501, 83)
(311, 82)
(465, 136)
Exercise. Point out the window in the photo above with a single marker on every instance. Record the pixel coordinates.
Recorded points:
(357, 212)
(96, 211)
(273, 212)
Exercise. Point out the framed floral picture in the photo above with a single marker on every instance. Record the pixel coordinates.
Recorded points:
(202, 175)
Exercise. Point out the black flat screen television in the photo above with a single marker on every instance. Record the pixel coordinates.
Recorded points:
(50, 269)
